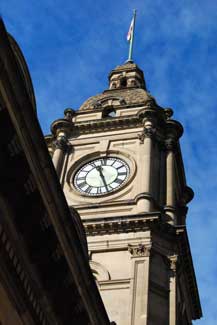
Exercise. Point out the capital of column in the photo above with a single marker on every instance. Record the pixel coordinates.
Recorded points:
(173, 263)
(61, 142)
(170, 144)
(149, 130)
(139, 250)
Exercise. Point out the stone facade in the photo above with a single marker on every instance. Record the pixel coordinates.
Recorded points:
(137, 240)
(45, 277)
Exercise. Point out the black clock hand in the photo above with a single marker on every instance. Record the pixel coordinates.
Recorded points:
(99, 169)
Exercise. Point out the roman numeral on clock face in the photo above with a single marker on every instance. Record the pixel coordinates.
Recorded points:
(93, 165)
(118, 181)
(82, 184)
(103, 161)
(88, 189)
(99, 191)
(81, 178)
(122, 173)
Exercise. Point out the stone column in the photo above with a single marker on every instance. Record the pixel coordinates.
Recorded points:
(139, 284)
(59, 152)
(146, 138)
(170, 180)
(173, 291)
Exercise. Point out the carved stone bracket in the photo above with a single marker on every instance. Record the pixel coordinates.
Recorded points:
(141, 137)
(173, 263)
(148, 132)
(139, 250)
(170, 144)
(61, 143)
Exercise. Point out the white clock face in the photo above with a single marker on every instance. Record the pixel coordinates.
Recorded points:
(101, 176)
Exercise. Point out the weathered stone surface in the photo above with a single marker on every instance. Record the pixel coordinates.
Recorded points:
(130, 96)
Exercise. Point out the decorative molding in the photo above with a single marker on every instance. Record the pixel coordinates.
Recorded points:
(107, 102)
(117, 284)
(61, 143)
(139, 250)
(102, 226)
(121, 203)
(173, 263)
(145, 113)
(170, 144)
(106, 124)
(141, 137)
(99, 271)
(148, 132)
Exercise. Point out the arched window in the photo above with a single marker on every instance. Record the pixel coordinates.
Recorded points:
(123, 82)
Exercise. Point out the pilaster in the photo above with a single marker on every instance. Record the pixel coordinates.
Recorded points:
(173, 290)
(140, 255)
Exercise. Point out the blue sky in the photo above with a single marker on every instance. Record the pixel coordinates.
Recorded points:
(71, 46)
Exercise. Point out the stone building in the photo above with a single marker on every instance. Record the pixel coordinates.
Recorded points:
(45, 278)
(119, 164)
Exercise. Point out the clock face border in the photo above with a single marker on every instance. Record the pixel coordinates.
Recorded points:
(94, 161)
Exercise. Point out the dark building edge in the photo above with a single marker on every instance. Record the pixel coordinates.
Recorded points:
(20, 115)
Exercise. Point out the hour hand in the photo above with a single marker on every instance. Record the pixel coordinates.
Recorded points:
(99, 169)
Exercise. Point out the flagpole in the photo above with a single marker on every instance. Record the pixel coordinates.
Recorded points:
(131, 39)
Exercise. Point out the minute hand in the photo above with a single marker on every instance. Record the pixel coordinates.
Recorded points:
(99, 168)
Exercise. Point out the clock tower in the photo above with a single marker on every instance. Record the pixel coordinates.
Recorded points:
(120, 165)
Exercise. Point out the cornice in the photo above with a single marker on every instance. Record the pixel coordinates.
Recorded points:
(164, 130)
(153, 221)
(108, 124)
(113, 203)
(109, 225)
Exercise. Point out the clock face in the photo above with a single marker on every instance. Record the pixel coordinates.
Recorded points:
(101, 176)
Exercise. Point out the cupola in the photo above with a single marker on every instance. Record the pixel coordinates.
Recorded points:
(127, 75)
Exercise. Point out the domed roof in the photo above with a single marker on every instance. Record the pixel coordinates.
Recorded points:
(120, 97)
(126, 87)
